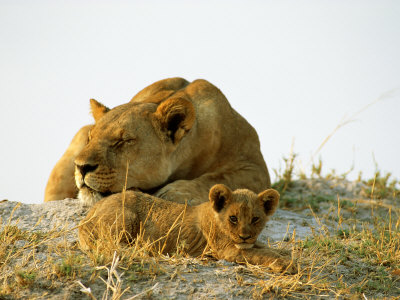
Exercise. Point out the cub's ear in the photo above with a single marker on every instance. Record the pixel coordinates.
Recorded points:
(98, 109)
(176, 117)
(269, 200)
(219, 196)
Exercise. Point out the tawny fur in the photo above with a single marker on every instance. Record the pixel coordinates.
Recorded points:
(208, 225)
(61, 183)
(174, 140)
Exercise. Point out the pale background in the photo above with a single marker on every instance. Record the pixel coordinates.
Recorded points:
(294, 69)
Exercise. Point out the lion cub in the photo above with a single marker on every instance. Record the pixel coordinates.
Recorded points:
(229, 224)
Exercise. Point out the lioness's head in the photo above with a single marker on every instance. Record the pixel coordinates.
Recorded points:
(131, 146)
(242, 214)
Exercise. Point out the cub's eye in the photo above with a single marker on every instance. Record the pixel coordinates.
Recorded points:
(233, 219)
(255, 220)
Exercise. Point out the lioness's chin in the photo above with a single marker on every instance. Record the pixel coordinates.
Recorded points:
(244, 246)
(89, 197)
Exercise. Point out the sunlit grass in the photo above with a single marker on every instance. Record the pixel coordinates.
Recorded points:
(355, 254)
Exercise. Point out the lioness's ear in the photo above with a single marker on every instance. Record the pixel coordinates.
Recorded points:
(98, 109)
(176, 117)
(269, 200)
(219, 196)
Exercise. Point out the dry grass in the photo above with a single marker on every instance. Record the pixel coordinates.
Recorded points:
(358, 260)
(357, 257)
(355, 253)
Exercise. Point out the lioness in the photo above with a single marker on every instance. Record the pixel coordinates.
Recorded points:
(229, 224)
(174, 140)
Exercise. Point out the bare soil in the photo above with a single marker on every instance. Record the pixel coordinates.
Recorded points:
(43, 259)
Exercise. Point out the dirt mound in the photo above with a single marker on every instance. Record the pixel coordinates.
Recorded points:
(40, 256)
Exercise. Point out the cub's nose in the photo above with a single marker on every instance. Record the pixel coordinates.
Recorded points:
(84, 169)
(246, 237)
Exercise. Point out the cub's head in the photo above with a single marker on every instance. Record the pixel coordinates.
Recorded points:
(131, 146)
(241, 215)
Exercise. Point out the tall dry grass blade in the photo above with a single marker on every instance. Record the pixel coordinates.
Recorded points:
(340, 219)
(372, 195)
(346, 120)
(173, 226)
(124, 198)
(180, 227)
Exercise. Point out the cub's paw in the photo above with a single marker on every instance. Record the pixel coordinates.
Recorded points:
(284, 252)
(284, 265)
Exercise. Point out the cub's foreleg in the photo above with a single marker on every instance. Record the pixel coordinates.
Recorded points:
(261, 256)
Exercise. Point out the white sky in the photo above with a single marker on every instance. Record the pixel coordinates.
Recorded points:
(294, 69)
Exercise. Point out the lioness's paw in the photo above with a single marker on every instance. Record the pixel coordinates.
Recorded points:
(173, 195)
(180, 191)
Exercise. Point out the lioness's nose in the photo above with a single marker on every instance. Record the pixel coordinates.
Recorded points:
(84, 169)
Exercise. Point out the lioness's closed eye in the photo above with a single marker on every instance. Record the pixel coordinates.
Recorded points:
(229, 223)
